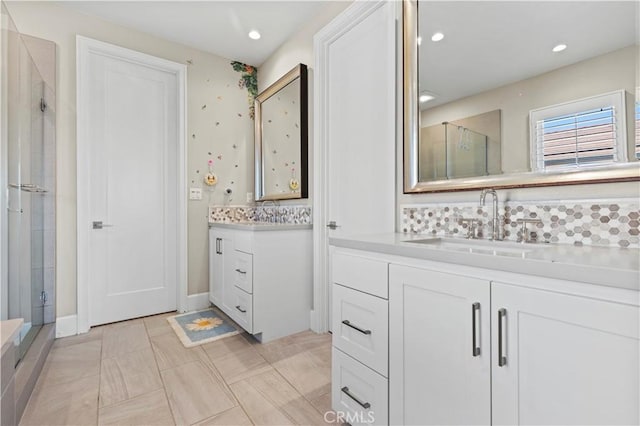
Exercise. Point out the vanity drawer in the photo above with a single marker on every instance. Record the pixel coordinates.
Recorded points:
(358, 391)
(243, 271)
(243, 241)
(361, 273)
(361, 327)
(242, 309)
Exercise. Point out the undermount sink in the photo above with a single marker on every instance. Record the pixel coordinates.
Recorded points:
(496, 248)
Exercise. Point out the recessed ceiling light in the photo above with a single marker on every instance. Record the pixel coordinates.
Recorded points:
(437, 37)
(426, 98)
(559, 48)
(419, 40)
(254, 34)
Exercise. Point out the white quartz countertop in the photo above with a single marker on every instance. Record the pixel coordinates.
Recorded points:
(9, 330)
(260, 226)
(609, 266)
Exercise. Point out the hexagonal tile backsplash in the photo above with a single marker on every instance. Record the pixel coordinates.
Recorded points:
(603, 223)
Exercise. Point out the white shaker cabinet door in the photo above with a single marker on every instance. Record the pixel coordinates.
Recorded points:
(221, 264)
(216, 271)
(562, 359)
(439, 355)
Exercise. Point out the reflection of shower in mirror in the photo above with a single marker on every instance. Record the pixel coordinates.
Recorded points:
(466, 136)
(463, 143)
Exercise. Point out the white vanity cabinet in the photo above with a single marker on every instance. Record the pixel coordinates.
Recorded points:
(469, 345)
(261, 276)
(469, 351)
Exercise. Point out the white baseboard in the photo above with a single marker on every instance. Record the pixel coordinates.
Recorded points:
(199, 301)
(314, 322)
(66, 326)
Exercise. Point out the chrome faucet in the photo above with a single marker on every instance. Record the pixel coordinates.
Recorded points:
(495, 228)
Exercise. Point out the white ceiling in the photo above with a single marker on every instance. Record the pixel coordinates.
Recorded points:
(218, 27)
(489, 44)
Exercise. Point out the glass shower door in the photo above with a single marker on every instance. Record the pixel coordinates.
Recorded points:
(25, 127)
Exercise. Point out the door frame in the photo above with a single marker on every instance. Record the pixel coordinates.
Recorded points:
(84, 47)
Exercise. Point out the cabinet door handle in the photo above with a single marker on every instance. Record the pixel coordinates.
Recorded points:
(240, 309)
(364, 405)
(240, 271)
(502, 360)
(218, 251)
(355, 327)
(475, 311)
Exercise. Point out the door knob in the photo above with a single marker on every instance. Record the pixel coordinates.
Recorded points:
(332, 225)
(100, 225)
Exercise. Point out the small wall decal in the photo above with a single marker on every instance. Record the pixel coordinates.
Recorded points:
(210, 179)
(294, 183)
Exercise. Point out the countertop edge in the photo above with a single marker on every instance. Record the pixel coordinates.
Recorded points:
(9, 330)
(596, 275)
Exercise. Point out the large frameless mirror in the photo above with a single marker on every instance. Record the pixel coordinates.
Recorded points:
(281, 138)
(519, 93)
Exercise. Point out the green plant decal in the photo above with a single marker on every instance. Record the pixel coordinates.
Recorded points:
(249, 80)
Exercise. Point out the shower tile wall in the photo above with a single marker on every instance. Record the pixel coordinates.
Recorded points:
(614, 223)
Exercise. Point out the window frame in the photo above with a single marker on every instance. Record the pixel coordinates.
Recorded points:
(636, 121)
(615, 99)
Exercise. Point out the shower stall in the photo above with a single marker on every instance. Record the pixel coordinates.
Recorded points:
(452, 151)
(466, 153)
(27, 165)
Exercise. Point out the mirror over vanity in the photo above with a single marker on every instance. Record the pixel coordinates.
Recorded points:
(281, 138)
(519, 93)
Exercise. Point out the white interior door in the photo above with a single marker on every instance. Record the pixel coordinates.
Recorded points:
(131, 124)
(356, 115)
(361, 126)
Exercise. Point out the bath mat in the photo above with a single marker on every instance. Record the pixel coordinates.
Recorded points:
(196, 328)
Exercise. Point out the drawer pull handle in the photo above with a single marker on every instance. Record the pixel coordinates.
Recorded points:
(364, 405)
(240, 271)
(474, 344)
(240, 309)
(502, 360)
(355, 327)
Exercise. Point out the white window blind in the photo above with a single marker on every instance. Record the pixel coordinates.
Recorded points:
(585, 137)
(583, 133)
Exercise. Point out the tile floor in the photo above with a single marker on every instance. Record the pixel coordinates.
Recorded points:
(138, 373)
